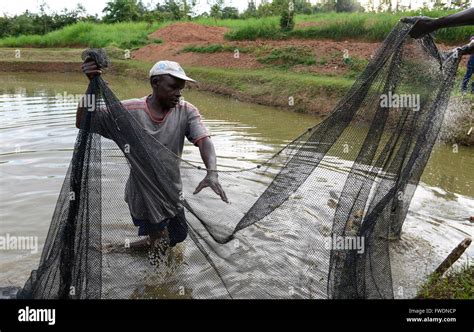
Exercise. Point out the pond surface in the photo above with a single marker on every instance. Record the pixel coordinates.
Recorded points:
(37, 135)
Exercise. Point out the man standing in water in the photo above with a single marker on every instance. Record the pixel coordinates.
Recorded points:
(466, 17)
(169, 119)
(469, 72)
(425, 25)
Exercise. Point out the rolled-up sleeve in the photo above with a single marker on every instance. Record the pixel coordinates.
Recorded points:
(195, 128)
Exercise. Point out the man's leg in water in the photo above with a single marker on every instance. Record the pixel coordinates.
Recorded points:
(175, 232)
(166, 234)
(467, 77)
(160, 240)
(177, 228)
(156, 234)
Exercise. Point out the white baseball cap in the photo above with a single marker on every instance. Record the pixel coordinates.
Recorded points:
(171, 68)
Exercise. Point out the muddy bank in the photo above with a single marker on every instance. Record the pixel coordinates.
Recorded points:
(35, 66)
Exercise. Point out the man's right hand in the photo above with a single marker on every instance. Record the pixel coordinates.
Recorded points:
(91, 69)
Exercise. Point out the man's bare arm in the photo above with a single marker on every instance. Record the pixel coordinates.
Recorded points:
(425, 25)
(208, 155)
(465, 17)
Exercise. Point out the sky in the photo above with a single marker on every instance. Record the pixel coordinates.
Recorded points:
(13, 7)
(92, 6)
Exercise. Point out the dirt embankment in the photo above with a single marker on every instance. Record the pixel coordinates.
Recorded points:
(328, 54)
(177, 36)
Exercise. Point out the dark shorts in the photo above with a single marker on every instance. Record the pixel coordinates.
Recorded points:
(177, 227)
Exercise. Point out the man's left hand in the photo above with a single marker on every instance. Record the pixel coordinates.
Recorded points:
(212, 181)
(467, 49)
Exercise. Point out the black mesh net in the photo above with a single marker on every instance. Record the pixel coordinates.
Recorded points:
(313, 221)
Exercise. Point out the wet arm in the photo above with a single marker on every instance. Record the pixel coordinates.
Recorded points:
(425, 25)
(208, 154)
(465, 17)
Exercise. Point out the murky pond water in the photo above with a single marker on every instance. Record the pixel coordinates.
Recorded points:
(37, 134)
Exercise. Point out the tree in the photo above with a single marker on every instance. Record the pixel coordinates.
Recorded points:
(31, 23)
(287, 22)
(43, 20)
(172, 7)
(329, 5)
(370, 5)
(216, 8)
(346, 6)
(251, 10)
(179, 9)
(303, 7)
(267, 9)
(230, 12)
(460, 4)
(68, 17)
(123, 11)
(287, 10)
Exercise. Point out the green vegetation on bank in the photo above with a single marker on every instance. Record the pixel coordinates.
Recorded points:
(263, 81)
(286, 57)
(332, 25)
(86, 34)
(457, 284)
(338, 26)
(214, 48)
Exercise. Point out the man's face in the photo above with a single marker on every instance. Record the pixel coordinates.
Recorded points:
(168, 90)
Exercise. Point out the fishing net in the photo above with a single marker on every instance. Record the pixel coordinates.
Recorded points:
(313, 221)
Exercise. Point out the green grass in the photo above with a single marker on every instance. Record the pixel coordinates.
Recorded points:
(339, 26)
(238, 24)
(214, 48)
(356, 66)
(457, 284)
(288, 56)
(264, 29)
(86, 34)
